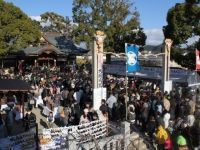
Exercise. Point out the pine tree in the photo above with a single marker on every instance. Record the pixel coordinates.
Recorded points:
(17, 30)
(115, 17)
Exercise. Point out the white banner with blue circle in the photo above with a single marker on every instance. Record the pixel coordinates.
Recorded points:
(132, 57)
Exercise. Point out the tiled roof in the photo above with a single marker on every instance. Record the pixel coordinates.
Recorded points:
(57, 43)
(63, 43)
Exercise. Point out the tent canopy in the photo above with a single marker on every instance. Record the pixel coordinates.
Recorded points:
(14, 85)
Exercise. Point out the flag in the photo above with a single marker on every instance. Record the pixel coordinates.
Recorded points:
(132, 57)
(197, 60)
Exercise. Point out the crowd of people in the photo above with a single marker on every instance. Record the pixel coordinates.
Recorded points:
(167, 119)
(66, 98)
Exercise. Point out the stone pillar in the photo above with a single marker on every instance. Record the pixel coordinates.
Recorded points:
(94, 66)
(97, 61)
(126, 126)
(166, 62)
(97, 65)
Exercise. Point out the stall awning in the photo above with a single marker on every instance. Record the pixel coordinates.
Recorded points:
(14, 85)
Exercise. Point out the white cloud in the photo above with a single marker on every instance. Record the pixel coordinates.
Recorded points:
(154, 36)
(37, 18)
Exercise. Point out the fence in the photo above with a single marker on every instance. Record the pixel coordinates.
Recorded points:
(24, 141)
(119, 141)
(64, 137)
(90, 136)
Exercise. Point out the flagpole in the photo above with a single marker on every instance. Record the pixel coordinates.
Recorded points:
(126, 93)
(126, 99)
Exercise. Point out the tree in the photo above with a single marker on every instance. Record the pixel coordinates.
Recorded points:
(53, 22)
(183, 23)
(16, 28)
(114, 17)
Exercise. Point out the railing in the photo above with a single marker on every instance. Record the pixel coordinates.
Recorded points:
(82, 137)
(61, 137)
(24, 141)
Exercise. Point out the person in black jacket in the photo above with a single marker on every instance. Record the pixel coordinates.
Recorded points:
(103, 107)
(30, 120)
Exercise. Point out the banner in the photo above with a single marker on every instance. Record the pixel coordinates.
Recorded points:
(132, 57)
(100, 93)
(100, 69)
(197, 60)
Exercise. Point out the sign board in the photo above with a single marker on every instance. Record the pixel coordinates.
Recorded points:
(168, 86)
(99, 94)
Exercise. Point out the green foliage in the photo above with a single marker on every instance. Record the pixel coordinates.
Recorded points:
(16, 28)
(56, 23)
(186, 60)
(114, 17)
(183, 22)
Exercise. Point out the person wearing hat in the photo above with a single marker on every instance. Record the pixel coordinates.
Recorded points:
(182, 143)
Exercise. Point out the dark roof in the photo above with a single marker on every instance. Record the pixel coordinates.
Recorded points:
(63, 43)
(58, 43)
(42, 49)
(14, 85)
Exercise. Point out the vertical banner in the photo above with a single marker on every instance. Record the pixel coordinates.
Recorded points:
(100, 69)
(132, 57)
(197, 60)
(100, 93)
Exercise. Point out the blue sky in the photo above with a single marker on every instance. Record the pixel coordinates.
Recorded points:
(152, 13)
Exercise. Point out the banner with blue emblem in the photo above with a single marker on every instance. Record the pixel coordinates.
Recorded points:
(132, 57)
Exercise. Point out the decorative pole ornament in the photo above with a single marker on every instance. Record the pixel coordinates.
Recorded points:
(168, 43)
(99, 38)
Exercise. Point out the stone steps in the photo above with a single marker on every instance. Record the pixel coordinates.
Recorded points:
(137, 142)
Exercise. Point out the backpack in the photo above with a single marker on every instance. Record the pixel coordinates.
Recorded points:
(161, 135)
